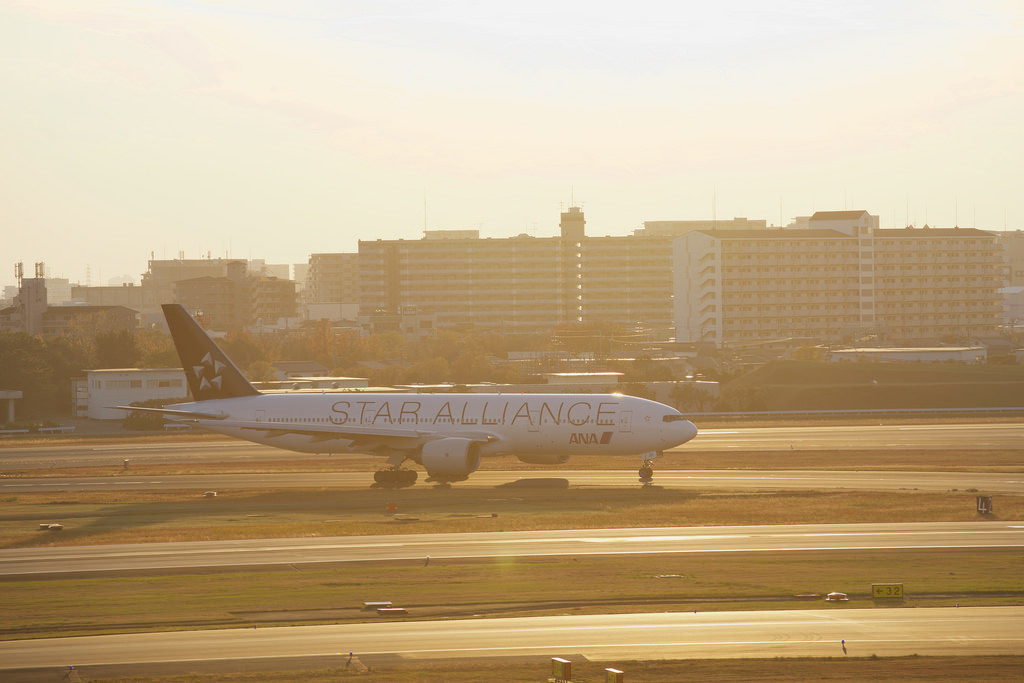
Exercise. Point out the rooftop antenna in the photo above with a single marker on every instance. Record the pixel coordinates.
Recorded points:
(956, 213)
(714, 206)
(424, 210)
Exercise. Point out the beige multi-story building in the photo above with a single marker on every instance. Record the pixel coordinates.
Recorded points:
(520, 283)
(230, 293)
(765, 284)
(127, 295)
(73, 321)
(465, 281)
(676, 228)
(270, 299)
(332, 279)
(840, 277)
(628, 281)
(219, 303)
(1013, 248)
(230, 303)
(159, 282)
(938, 282)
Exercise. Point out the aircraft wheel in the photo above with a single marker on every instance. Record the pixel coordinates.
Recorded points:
(646, 472)
(407, 477)
(381, 477)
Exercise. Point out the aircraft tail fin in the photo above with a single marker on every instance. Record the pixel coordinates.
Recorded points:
(210, 373)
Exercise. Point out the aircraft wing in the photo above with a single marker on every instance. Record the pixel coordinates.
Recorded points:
(396, 437)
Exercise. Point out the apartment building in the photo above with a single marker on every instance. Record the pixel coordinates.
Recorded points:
(628, 281)
(1013, 248)
(230, 303)
(332, 279)
(676, 228)
(219, 303)
(765, 284)
(520, 283)
(162, 275)
(839, 277)
(127, 295)
(32, 314)
(464, 281)
(933, 283)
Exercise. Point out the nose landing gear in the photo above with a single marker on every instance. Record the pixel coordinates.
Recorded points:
(646, 470)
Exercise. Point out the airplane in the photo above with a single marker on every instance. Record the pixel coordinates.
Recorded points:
(447, 434)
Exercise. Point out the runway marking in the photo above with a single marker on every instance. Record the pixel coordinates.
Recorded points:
(172, 447)
(653, 645)
(652, 539)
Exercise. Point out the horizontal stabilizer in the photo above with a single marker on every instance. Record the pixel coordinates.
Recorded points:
(181, 414)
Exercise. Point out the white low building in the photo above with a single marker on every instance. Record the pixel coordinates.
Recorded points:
(124, 386)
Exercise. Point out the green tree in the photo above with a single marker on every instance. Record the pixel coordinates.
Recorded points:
(744, 398)
(244, 350)
(24, 368)
(68, 358)
(470, 368)
(156, 350)
(637, 389)
(431, 371)
(116, 350)
(260, 371)
(688, 396)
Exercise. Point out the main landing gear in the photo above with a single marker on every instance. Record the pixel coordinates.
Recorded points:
(394, 477)
(646, 470)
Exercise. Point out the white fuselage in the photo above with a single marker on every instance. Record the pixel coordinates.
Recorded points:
(521, 424)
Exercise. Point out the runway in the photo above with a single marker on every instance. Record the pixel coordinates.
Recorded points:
(679, 635)
(862, 437)
(294, 552)
(673, 635)
(984, 482)
(834, 437)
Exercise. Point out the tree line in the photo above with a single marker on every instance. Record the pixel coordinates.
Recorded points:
(42, 368)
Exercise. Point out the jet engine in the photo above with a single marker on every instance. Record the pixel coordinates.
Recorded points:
(450, 459)
(544, 458)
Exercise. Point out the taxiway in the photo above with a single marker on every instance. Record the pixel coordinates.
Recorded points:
(672, 635)
(578, 542)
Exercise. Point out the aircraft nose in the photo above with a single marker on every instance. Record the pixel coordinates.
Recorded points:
(688, 430)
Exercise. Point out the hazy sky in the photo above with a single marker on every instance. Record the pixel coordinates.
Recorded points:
(276, 129)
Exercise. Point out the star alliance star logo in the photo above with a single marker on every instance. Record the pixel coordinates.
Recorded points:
(202, 372)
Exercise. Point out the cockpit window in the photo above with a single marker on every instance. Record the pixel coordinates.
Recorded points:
(672, 418)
